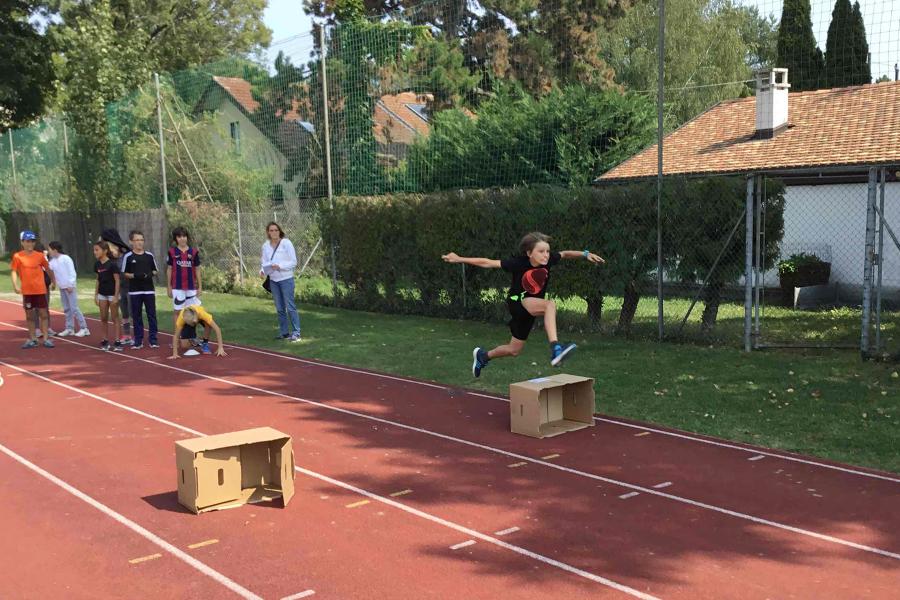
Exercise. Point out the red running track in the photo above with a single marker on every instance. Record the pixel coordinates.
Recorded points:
(725, 526)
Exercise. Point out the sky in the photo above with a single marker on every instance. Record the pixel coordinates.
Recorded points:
(287, 21)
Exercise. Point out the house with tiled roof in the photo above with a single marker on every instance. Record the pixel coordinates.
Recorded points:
(232, 101)
(822, 145)
(399, 120)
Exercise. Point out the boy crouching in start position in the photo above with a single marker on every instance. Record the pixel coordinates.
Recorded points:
(186, 332)
(530, 271)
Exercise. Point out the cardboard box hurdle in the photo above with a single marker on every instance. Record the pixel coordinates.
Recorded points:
(216, 472)
(553, 405)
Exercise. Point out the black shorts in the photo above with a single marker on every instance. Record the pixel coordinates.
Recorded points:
(521, 322)
(188, 332)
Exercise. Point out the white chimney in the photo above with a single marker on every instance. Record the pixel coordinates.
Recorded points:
(771, 102)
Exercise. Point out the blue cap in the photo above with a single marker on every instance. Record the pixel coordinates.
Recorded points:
(28, 235)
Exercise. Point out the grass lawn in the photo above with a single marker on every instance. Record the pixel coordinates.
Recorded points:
(824, 403)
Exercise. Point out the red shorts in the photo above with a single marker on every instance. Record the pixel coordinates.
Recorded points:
(30, 301)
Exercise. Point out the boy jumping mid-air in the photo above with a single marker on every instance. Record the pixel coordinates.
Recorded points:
(526, 299)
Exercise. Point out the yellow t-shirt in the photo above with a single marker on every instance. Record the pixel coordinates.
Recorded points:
(202, 317)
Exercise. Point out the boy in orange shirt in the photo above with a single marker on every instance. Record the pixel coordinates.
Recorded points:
(28, 267)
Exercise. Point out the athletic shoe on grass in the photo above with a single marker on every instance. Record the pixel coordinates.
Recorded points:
(295, 338)
(479, 361)
(560, 352)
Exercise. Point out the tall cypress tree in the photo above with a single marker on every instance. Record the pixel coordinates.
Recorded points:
(862, 70)
(797, 49)
(840, 62)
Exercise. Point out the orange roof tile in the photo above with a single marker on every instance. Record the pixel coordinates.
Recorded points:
(239, 89)
(849, 126)
(396, 122)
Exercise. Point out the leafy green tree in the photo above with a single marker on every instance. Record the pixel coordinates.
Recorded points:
(862, 70)
(797, 49)
(711, 46)
(567, 137)
(107, 48)
(26, 71)
(839, 59)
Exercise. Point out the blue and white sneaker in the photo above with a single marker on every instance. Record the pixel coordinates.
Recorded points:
(479, 361)
(29, 344)
(560, 352)
(204, 348)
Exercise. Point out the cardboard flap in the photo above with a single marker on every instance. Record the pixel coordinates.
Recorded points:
(236, 438)
(285, 462)
(218, 476)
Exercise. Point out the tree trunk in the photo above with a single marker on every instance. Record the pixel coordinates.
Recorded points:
(595, 310)
(712, 296)
(629, 308)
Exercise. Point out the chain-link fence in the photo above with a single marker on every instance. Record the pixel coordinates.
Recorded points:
(461, 126)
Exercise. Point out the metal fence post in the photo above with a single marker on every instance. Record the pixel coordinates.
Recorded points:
(867, 267)
(879, 262)
(237, 205)
(162, 143)
(661, 51)
(334, 285)
(757, 271)
(748, 267)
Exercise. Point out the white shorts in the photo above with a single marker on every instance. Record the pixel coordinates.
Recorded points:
(183, 298)
(107, 298)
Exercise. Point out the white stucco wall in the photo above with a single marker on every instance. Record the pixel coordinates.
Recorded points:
(830, 221)
(256, 150)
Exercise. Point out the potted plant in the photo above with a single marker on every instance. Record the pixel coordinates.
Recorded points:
(802, 270)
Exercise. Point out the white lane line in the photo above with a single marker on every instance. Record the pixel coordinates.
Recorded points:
(635, 487)
(757, 457)
(506, 531)
(150, 536)
(384, 500)
(305, 594)
(662, 485)
(465, 544)
(646, 428)
(629, 495)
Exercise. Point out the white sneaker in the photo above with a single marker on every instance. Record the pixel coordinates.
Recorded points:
(50, 331)
(83, 333)
(65, 333)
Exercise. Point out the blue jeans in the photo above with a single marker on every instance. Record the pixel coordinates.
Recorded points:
(288, 317)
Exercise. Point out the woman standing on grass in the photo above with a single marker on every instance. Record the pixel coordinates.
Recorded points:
(277, 262)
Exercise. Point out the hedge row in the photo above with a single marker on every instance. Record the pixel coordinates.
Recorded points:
(388, 248)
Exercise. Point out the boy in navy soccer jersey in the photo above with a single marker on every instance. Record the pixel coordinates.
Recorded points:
(183, 273)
